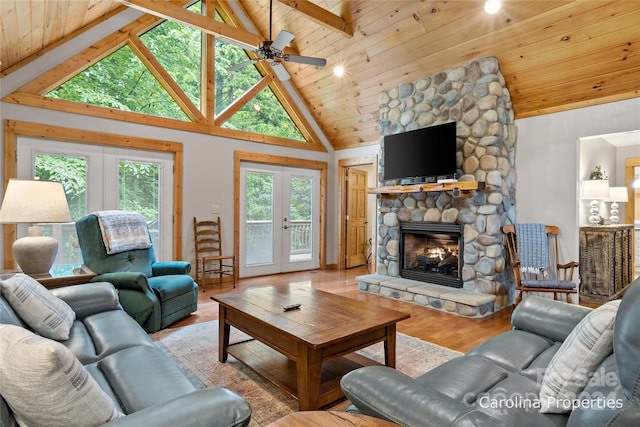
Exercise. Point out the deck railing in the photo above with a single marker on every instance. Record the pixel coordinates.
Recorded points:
(259, 235)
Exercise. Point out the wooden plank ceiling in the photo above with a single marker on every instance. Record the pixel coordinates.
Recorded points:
(555, 55)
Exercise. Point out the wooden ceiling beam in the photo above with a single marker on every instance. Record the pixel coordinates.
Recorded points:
(320, 15)
(204, 23)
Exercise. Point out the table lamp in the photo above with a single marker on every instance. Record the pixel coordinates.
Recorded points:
(34, 201)
(617, 194)
(595, 190)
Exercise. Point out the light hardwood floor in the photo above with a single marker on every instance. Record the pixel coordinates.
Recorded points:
(448, 330)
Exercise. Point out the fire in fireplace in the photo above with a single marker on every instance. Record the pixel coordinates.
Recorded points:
(431, 252)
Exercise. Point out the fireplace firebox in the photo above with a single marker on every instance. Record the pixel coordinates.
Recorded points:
(431, 252)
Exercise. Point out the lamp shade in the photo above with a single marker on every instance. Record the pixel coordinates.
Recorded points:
(618, 194)
(33, 201)
(595, 189)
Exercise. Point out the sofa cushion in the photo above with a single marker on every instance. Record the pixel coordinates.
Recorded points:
(45, 313)
(585, 348)
(37, 369)
(463, 378)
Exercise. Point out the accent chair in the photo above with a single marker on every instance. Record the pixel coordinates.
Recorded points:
(155, 294)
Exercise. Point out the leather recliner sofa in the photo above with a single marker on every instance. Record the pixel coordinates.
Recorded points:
(499, 382)
(146, 385)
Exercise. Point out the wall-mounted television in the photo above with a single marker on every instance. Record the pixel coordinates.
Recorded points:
(421, 154)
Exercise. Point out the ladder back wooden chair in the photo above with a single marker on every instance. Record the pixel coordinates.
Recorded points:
(527, 247)
(211, 264)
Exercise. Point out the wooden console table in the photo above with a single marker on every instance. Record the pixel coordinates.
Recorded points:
(606, 264)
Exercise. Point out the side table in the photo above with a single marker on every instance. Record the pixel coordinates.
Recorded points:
(59, 276)
(606, 262)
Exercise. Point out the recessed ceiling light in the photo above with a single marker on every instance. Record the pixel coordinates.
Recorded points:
(338, 70)
(492, 6)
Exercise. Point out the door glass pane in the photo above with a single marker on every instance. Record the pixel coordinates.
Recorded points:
(139, 191)
(259, 218)
(300, 208)
(71, 171)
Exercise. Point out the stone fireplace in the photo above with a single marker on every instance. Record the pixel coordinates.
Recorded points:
(430, 252)
(475, 96)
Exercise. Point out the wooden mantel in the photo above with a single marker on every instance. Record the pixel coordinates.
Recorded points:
(465, 188)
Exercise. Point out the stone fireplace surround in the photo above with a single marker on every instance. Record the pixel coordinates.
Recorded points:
(476, 97)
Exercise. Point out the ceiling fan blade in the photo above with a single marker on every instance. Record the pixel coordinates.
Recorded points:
(280, 71)
(282, 40)
(242, 64)
(320, 62)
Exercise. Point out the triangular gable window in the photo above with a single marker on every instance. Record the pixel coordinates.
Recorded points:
(265, 115)
(179, 49)
(159, 70)
(123, 82)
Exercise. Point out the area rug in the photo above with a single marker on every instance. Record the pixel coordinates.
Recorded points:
(195, 349)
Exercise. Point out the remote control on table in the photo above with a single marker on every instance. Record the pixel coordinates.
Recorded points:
(291, 307)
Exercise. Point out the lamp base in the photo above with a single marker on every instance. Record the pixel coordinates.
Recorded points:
(594, 218)
(615, 219)
(35, 253)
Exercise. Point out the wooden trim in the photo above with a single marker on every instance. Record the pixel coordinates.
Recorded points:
(245, 156)
(179, 14)
(10, 171)
(343, 164)
(320, 16)
(208, 82)
(629, 215)
(630, 164)
(13, 129)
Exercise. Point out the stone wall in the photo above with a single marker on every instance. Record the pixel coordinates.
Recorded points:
(476, 97)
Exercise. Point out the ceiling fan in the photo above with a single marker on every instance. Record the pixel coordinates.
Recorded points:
(272, 51)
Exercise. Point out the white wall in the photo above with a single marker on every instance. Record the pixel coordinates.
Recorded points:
(547, 161)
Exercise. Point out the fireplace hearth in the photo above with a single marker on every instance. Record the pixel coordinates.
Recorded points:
(431, 252)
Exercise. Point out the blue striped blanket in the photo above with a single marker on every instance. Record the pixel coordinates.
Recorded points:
(123, 231)
(533, 251)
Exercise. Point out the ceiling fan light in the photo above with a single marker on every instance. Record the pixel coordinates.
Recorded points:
(492, 6)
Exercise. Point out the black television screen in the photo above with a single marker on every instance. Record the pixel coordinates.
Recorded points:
(426, 152)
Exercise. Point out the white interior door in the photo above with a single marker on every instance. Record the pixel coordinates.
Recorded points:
(279, 215)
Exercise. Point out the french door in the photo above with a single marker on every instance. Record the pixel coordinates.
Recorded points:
(100, 178)
(280, 219)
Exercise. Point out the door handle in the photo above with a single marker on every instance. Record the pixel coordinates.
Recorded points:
(285, 227)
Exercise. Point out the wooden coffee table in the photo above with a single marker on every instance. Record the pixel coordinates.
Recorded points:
(305, 351)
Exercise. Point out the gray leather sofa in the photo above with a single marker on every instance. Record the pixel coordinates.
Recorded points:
(146, 385)
(498, 382)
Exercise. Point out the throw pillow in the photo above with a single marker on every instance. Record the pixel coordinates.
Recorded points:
(45, 313)
(571, 368)
(44, 383)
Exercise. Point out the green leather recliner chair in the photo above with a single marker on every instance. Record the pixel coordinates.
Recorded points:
(155, 294)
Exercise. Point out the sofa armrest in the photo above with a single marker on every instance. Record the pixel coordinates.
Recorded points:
(389, 394)
(170, 267)
(131, 280)
(206, 407)
(89, 298)
(551, 319)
